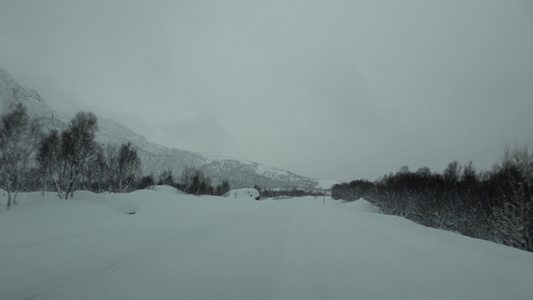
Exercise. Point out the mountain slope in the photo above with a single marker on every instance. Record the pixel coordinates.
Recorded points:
(11, 93)
(155, 158)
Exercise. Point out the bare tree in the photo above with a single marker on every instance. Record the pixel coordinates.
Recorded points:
(18, 140)
(195, 182)
(128, 167)
(187, 178)
(166, 178)
(222, 188)
(513, 207)
(452, 173)
(105, 162)
(64, 157)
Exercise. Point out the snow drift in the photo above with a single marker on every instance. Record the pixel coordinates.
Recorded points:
(243, 193)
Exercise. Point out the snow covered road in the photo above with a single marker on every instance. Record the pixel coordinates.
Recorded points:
(184, 247)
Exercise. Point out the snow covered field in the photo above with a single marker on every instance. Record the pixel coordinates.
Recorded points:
(185, 247)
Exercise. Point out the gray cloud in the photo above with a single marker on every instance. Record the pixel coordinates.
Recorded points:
(331, 89)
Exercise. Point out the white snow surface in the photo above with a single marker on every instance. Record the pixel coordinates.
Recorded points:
(362, 205)
(166, 189)
(247, 193)
(178, 246)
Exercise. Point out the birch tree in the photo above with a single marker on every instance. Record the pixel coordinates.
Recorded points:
(64, 156)
(128, 167)
(18, 140)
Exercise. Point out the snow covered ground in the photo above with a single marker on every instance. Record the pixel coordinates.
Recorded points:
(177, 246)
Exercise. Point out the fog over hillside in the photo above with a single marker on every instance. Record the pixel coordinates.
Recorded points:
(155, 158)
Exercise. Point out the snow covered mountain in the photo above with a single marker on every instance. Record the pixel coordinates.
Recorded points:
(155, 158)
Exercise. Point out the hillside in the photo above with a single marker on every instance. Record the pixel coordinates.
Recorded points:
(155, 158)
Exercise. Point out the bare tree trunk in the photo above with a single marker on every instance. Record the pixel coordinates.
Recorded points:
(43, 188)
(8, 198)
(15, 202)
(58, 189)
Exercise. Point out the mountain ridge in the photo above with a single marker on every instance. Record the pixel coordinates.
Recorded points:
(156, 158)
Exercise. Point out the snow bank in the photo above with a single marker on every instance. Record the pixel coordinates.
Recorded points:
(362, 205)
(124, 205)
(243, 193)
(166, 189)
(119, 202)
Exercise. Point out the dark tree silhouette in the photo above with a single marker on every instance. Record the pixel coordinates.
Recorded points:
(64, 157)
(18, 143)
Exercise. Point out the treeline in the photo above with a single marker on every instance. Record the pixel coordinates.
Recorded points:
(288, 192)
(193, 181)
(496, 205)
(68, 160)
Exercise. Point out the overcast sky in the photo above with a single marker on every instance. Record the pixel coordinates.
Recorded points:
(328, 89)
